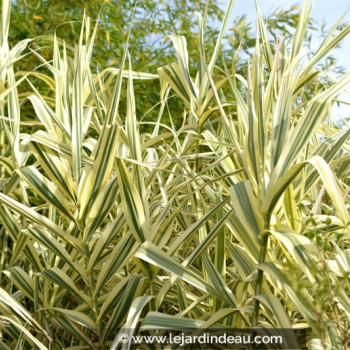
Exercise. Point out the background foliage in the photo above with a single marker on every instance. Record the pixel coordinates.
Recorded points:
(154, 20)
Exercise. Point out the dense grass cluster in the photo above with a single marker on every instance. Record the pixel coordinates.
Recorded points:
(239, 217)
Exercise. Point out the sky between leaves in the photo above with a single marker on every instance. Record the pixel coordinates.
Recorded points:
(324, 10)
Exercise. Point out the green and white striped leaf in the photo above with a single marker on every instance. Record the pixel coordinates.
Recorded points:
(59, 277)
(76, 317)
(21, 280)
(132, 204)
(282, 321)
(150, 253)
(46, 189)
(131, 322)
(39, 219)
(48, 241)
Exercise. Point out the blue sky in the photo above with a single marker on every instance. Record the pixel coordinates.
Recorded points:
(328, 10)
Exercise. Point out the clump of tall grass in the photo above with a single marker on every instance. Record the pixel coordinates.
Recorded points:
(237, 218)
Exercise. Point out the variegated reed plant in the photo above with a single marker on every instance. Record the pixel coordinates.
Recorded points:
(237, 219)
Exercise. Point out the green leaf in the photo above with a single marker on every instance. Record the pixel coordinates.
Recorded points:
(120, 255)
(152, 254)
(132, 204)
(59, 277)
(55, 246)
(76, 317)
(21, 280)
(282, 321)
(133, 317)
(133, 290)
(98, 175)
(35, 217)
(46, 189)
(157, 320)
